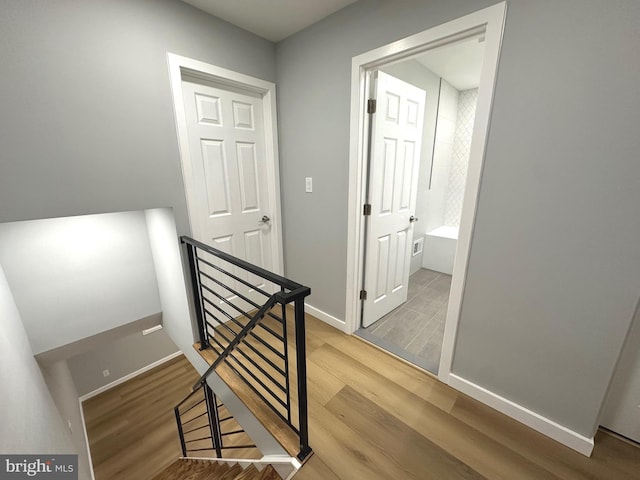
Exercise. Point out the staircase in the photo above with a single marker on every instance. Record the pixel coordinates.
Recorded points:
(188, 469)
(252, 334)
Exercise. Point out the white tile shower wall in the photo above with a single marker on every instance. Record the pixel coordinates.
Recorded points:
(447, 114)
(467, 101)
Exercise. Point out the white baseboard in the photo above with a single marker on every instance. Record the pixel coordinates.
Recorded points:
(117, 382)
(531, 419)
(326, 318)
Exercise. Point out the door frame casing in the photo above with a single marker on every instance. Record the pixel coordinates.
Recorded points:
(231, 79)
(490, 22)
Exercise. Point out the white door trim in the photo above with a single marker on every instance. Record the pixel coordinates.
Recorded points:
(490, 21)
(229, 78)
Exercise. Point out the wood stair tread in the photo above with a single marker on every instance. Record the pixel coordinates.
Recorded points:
(189, 469)
(183, 469)
(280, 430)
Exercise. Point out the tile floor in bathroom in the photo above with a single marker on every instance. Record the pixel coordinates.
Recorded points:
(414, 330)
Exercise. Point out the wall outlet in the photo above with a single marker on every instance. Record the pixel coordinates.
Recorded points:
(106, 373)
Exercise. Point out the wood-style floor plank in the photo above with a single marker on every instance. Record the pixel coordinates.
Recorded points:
(131, 428)
(371, 416)
(470, 446)
(401, 444)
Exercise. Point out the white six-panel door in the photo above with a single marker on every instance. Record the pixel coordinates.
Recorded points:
(229, 203)
(394, 165)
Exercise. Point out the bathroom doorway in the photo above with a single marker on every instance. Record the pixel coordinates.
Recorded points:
(422, 328)
(450, 77)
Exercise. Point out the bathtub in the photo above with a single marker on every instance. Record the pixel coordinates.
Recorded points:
(439, 249)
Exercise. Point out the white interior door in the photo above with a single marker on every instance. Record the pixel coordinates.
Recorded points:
(229, 198)
(396, 138)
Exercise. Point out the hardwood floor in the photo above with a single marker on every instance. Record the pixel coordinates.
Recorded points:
(375, 417)
(131, 428)
(371, 416)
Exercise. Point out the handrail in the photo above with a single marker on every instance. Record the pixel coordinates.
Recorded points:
(261, 363)
(237, 339)
(261, 272)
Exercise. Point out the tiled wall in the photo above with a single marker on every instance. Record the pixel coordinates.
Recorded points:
(444, 139)
(467, 100)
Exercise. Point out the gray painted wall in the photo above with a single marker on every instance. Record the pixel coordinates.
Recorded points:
(87, 121)
(555, 266)
(29, 418)
(79, 276)
(121, 357)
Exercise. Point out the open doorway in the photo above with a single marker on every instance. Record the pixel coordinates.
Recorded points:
(449, 77)
(484, 24)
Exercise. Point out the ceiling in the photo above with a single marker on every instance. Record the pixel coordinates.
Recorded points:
(271, 19)
(459, 63)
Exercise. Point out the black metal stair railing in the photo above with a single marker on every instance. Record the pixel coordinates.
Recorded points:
(204, 425)
(254, 321)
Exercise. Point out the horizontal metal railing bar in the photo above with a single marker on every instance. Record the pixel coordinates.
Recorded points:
(192, 419)
(269, 404)
(262, 370)
(235, 432)
(220, 310)
(191, 407)
(195, 429)
(261, 355)
(258, 316)
(230, 275)
(255, 390)
(266, 344)
(232, 331)
(260, 382)
(218, 332)
(225, 419)
(224, 300)
(185, 399)
(237, 294)
(235, 320)
(203, 449)
(271, 331)
(254, 349)
(261, 272)
(198, 439)
(231, 447)
(244, 354)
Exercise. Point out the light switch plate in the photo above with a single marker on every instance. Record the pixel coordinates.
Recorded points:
(308, 184)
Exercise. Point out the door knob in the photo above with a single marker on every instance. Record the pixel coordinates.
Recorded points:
(413, 219)
(264, 219)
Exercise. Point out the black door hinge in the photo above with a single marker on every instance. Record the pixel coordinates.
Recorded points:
(363, 294)
(366, 210)
(371, 105)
